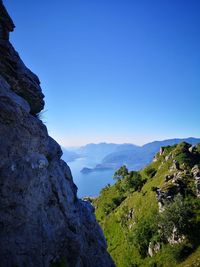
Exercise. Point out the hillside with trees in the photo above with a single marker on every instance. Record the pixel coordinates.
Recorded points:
(152, 217)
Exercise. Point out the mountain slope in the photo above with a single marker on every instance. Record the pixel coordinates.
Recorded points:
(151, 217)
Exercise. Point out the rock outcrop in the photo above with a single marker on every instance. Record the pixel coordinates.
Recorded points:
(157, 218)
(196, 174)
(21, 80)
(42, 222)
(180, 178)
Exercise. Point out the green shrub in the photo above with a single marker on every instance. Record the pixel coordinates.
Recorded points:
(118, 200)
(184, 157)
(182, 214)
(128, 180)
(113, 204)
(150, 172)
(143, 233)
(120, 173)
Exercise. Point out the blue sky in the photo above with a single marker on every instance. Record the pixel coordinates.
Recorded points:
(113, 70)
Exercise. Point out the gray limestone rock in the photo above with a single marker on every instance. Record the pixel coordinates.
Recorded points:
(175, 166)
(153, 248)
(41, 219)
(196, 174)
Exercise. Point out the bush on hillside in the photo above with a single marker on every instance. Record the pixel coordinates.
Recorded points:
(146, 229)
(120, 173)
(150, 172)
(128, 180)
(176, 214)
(133, 181)
(113, 204)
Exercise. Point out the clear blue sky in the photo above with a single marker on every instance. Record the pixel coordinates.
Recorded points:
(113, 70)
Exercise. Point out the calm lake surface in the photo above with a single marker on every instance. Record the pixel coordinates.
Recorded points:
(89, 184)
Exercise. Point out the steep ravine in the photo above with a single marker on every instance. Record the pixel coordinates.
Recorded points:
(42, 222)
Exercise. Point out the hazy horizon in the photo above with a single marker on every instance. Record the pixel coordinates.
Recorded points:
(121, 143)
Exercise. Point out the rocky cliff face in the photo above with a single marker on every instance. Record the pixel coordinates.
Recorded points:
(42, 222)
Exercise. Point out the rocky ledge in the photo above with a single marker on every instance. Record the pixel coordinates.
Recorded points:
(42, 222)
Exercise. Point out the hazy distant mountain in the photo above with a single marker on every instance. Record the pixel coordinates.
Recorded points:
(69, 156)
(112, 156)
(153, 147)
(126, 147)
(98, 151)
(136, 157)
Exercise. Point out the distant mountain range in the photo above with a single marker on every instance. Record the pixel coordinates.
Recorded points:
(95, 152)
(112, 156)
(69, 155)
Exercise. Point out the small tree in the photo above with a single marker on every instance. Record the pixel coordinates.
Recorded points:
(132, 181)
(150, 172)
(179, 214)
(121, 173)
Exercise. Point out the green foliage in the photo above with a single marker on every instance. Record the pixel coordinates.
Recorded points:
(121, 173)
(118, 200)
(132, 181)
(150, 171)
(184, 157)
(176, 214)
(128, 211)
(193, 260)
(154, 188)
(128, 180)
(113, 204)
(169, 256)
(106, 188)
(198, 148)
(143, 233)
(183, 215)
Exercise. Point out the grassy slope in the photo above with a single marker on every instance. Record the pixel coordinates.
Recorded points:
(118, 230)
(193, 260)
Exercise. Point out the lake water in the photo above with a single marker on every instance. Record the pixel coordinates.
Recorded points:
(89, 184)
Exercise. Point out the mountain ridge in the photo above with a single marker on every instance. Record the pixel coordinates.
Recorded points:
(135, 157)
(151, 217)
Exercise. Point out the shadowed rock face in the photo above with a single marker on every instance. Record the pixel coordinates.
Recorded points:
(21, 80)
(41, 219)
(6, 23)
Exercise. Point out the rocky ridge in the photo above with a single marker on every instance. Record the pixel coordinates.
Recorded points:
(179, 177)
(42, 222)
(151, 217)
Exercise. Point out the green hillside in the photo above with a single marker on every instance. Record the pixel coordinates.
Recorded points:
(152, 217)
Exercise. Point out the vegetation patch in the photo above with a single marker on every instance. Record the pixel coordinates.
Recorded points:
(137, 233)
